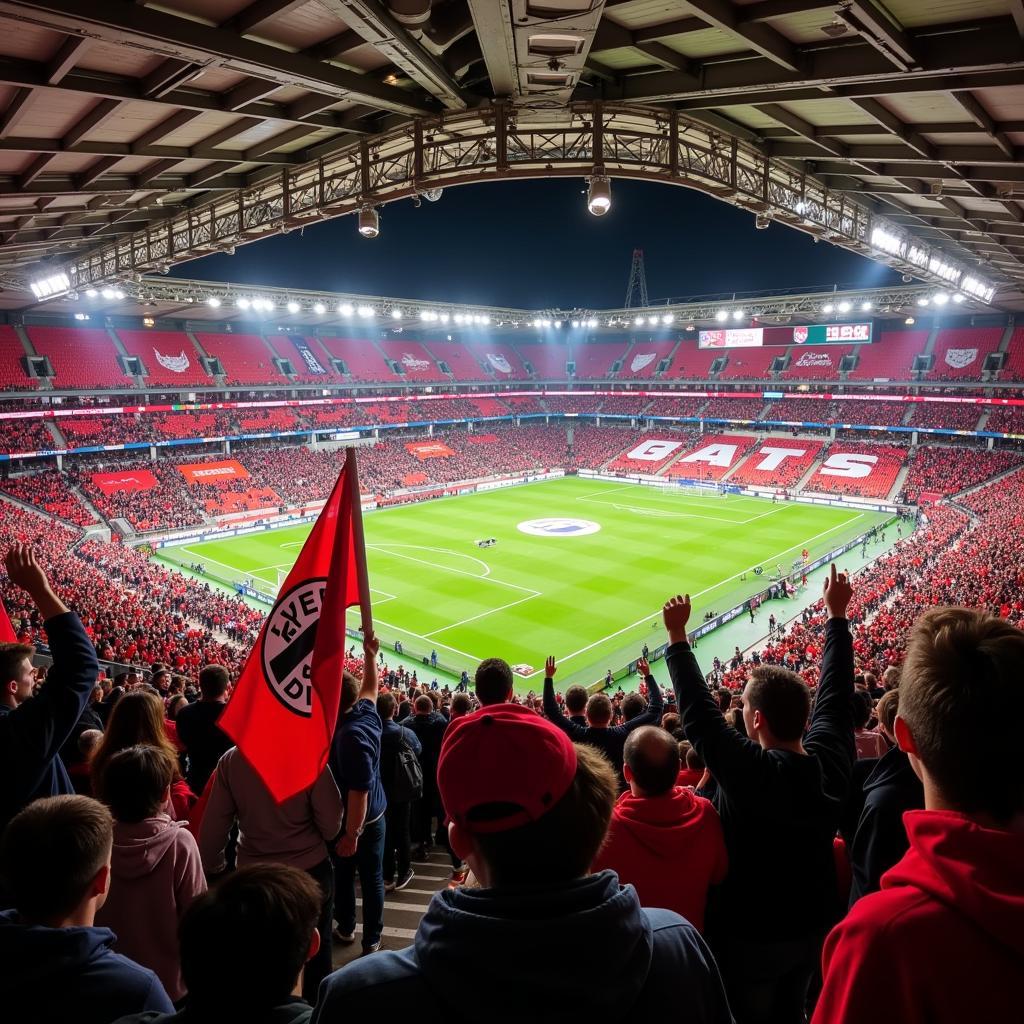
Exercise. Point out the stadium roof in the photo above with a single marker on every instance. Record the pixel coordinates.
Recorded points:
(137, 135)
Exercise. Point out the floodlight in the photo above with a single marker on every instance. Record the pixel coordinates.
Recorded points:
(941, 298)
(828, 308)
(49, 286)
(396, 314)
(844, 307)
(866, 306)
(213, 301)
(737, 314)
(667, 318)
(599, 195)
(293, 307)
(721, 315)
(242, 303)
(345, 308)
(558, 323)
(319, 309)
(91, 293)
(958, 298)
(365, 311)
(369, 222)
(923, 301)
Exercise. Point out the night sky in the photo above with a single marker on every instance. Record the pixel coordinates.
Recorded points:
(533, 244)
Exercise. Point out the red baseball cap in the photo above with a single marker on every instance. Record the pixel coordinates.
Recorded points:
(504, 754)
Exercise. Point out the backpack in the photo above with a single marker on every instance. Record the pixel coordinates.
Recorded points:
(408, 779)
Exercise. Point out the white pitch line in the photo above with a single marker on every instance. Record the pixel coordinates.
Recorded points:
(770, 512)
(482, 615)
(441, 551)
(707, 590)
(419, 636)
(649, 510)
(606, 490)
(231, 568)
(447, 568)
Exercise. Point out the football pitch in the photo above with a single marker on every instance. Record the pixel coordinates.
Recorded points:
(580, 568)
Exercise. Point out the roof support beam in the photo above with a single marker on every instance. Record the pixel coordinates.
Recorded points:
(375, 24)
(257, 13)
(981, 118)
(65, 58)
(99, 114)
(282, 139)
(169, 75)
(766, 40)
(805, 129)
(494, 30)
(15, 111)
(165, 128)
(249, 92)
(876, 24)
(35, 168)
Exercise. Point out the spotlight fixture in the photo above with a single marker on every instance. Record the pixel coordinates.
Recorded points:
(866, 306)
(940, 299)
(575, 325)
(737, 314)
(345, 308)
(293, 307)
(762, 222)
(558, 323)
(365, 312)
(536, 323)
(47, 287)
(721, 315)
(599, 195)
(319, 308)
(396, 314)
(547, 323)
(242, 303)
(958, 298)
(667, 318)
(213, 301)
(369, 221)
(91, 293)
(828, 308)
(485, 319)
(638, 320)
(844, 307)
(923, 301)
(907, 279)
(909, 321)
(424, 314)
(690, 327)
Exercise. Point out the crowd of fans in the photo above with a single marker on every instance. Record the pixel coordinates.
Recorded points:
(948, 470)
(49, 491)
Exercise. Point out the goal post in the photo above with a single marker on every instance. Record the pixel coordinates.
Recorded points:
(694, 488)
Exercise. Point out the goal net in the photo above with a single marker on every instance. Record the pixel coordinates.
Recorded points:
(694, 488)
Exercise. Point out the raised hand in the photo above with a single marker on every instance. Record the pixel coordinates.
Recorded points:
(676, 614)
(26, 572)
(371, 645)
(643, 667)
(550, 668)
(837, 593)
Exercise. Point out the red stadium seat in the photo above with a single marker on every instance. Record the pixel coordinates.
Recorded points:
(169, 356)
(82, 357)
(245, 357)
(891, 357)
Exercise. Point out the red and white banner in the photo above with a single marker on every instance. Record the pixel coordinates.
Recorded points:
(212, 472)
(424, 450)
(129, 480)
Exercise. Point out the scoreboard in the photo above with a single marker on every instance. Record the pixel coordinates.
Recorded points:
(804, 334)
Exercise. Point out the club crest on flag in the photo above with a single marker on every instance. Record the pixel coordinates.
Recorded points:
(288, 642)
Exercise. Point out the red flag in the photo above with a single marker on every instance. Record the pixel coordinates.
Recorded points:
(285, 706)
(7, 634)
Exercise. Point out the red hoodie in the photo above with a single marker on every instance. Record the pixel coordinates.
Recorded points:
(942, 941)
(670, 848)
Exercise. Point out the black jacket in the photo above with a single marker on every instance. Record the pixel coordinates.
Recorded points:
(779, 810)
(609, 741)
(881, 838)
(32, 734)
(204, 740)
(429, 730)
(391, 737)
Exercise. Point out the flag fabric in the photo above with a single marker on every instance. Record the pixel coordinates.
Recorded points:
(7, 634)
(284, 707)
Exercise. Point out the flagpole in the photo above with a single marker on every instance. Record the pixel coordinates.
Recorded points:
(365, 611)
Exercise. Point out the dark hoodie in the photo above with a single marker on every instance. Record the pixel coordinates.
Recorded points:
(880, 838)
(943, 941)
(70, 974)
(529, 953)
(670, 848)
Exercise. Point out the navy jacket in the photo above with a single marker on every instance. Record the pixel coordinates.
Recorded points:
(467, 962)
(32, 734)
(779, 810)
(881, 837)
(611, 741)
(70, 974)
(391, 738)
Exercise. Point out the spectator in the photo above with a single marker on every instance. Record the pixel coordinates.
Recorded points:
(493, 681)
(33, 729)
(203, 739)
(867, 743)
(243, 947)
(57, 965)
(941, 941)
(599, 732)
(576, 704)
(80, 771)
(399, 748)
(155, 868)
(776, 794)
(429, 727)
(355, 762)
(663, 840)
(137, 719)
(295, 832)
(529, 811)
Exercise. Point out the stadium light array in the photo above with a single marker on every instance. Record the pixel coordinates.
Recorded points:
(396, 314)
(558, 323)
(722, 314)
(923, 301)
(51, 285)
(345, 308)
(599, 195)
(941, 298)
(293, 306)
(828, 308)
(319, 308)
(242, 303)
(365, 312)
(91, 293)
(866, 306)
(844, 307)
(213, 301)
(958, 298)
(737, 314)
(667, 318)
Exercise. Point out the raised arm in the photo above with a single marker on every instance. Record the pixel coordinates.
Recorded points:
(655, 703)
(370, 687)
(830, 735)
(727, 754)
(551, 708)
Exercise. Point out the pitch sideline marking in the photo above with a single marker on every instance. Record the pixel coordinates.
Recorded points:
(385, 548)
(481, 615)
(707, 590)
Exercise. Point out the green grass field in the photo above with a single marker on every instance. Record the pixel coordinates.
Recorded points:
(592, 599)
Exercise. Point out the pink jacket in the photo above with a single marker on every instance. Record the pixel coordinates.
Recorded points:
(155, 874)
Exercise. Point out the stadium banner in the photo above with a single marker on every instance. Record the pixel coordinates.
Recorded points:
(482, 438)
(128, 480)
(809, 334)
(424, 450)
(308, 356)
(212, 472)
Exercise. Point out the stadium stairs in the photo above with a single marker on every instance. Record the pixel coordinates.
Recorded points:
(901, 479)
(60, 441)
(80, 495)
(811, 470)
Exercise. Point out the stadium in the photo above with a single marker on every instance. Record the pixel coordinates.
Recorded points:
(533, 480)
